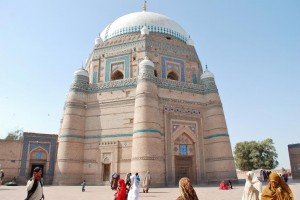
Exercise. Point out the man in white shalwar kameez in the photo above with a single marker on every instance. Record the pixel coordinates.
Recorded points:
(134, 189)
(253, 187)
(34, 186)
(146, 182)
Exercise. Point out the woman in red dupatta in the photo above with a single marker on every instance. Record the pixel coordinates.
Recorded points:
(121, 194)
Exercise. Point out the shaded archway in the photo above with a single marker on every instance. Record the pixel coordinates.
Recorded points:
(117, 75)
(173, 76)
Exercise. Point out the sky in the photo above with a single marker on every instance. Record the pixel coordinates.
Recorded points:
(252, 47)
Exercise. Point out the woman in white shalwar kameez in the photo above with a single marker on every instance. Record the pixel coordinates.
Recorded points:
(253, 187)
(134, 189)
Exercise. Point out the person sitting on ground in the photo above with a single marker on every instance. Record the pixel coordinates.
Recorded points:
(277, 189)
(223, 185)
(186, 189)
(253, 187)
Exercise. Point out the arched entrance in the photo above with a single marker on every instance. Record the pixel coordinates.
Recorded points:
(183, 167)
(38, 158)
(106, 165)
(184, 154)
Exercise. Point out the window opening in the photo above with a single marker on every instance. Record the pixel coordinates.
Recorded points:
(172, 76)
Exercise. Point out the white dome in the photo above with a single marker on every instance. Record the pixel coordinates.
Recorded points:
(81, 72)
(134, 22)
(146, 62)
(207, 74)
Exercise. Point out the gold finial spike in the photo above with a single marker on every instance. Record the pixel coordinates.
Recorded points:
(145, 6)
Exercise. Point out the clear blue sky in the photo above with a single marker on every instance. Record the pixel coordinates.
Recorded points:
(252, 47)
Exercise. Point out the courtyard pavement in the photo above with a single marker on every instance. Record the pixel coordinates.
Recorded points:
(204, 192)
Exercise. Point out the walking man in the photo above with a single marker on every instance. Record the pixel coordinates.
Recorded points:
(146, 182)
(34, 186)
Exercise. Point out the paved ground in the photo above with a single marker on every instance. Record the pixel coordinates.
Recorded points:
(204, 192)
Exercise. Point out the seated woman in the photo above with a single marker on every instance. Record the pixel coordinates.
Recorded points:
(224, 186)
(187, 191)
(277, 189)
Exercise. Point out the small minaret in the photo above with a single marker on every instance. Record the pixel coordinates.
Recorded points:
(218, 154)
(147, 145)
(69, 163)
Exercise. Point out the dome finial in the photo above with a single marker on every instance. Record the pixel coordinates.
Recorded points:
(206, 66)
(145, 6)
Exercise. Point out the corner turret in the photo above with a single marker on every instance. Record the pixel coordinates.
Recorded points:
(146, 128)
(69, 167)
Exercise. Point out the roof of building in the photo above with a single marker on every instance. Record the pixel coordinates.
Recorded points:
(134, 22)
(207, 74)
(146, 62)
(81, 72)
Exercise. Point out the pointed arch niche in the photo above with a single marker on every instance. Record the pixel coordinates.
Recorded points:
(184, 152)
(173, 76)
(39, 157)
(117, 75)
(172, 68)
(116, 66)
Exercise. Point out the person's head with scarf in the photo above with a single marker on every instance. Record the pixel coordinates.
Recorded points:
(251, 177)
(37, 173)
(277, 189)
(253, 186)
(128, 179)
(187, 191)
(122, 190)
(128, 176)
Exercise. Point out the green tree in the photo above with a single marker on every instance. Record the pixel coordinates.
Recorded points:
(255, 155)
(15, 135)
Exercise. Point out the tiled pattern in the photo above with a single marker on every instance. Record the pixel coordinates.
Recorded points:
(80, 84)
(217, 135)
(131, 83)
(164, 66)
(35, 145)
(182, 110)
(95, 77)
(30, 143)
(113, 85)
(65, 135)
(109, 61)
(157, 29)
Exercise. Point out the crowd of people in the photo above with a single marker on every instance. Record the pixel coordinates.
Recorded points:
(128, 188)
(277, 188)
